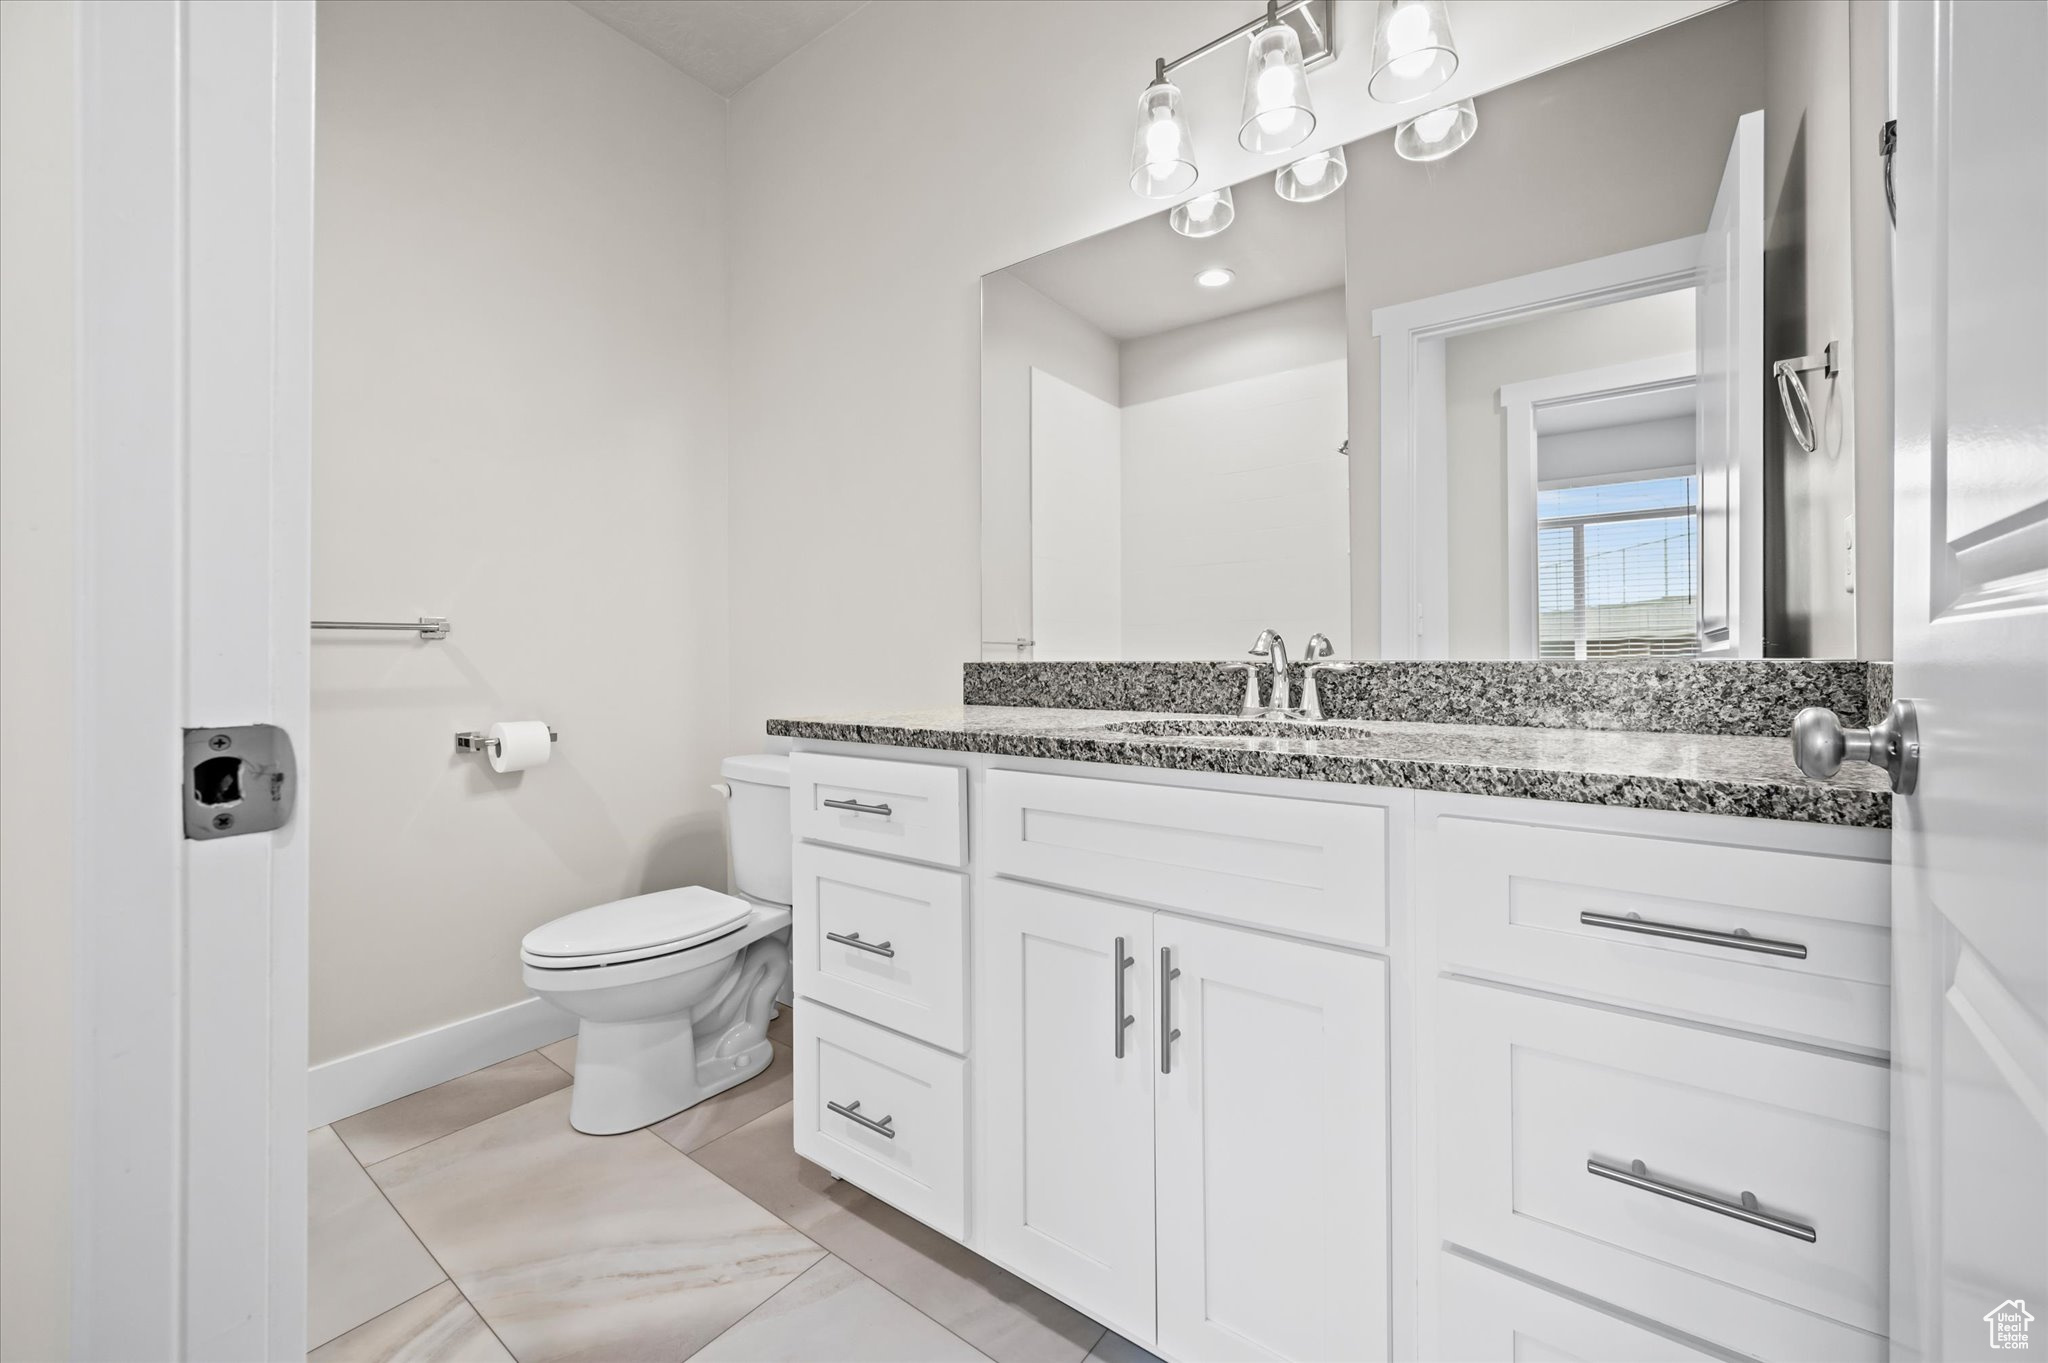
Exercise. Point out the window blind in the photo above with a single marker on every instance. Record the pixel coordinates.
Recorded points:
(1617, 569)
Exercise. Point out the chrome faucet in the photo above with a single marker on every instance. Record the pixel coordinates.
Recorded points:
(1270, 646)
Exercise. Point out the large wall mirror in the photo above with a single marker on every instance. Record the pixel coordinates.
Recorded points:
(1584, 387)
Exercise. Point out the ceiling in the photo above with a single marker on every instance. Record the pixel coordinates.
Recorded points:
(721, 43)
(1139, 279)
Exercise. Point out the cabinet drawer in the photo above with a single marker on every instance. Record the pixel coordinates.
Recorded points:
(1794, 943)
(885, 1113)
(901, 809)
(883, 940)
(1485, 1316)
(1536, 1091)
(1313, 867)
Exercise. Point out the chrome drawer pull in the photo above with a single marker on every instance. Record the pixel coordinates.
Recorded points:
(1635, 1176)
(1168, 1033)
(856, 807)
(851, 1111)
(1739, 939)
(852, 939)
(1121, 963)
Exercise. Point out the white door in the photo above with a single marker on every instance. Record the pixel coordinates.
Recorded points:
(195, 144)
(1970, 846)
(1066, 1155)
(1730, 412)
(1272, 1147)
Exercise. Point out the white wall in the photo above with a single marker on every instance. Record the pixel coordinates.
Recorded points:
(520, 423)
(877, 175)
(37, 179)
(1475, 367)
(1268, 340)
(1022, 330)
(1234, 515)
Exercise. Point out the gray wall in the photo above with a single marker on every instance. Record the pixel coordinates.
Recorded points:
(1809, 300)
(519, 417)
(1617, 150)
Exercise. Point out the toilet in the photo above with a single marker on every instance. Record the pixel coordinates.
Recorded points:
(674, 990)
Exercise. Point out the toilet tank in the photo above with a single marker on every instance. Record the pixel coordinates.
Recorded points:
(758, 824)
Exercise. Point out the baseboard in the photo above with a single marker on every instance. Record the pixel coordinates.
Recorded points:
(356, 1083)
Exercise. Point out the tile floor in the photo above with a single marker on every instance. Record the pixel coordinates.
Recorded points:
(468, 1222)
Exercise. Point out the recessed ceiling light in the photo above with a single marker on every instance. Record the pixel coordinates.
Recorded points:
(1214, 279)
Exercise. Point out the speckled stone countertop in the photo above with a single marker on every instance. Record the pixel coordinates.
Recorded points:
(1750, 777)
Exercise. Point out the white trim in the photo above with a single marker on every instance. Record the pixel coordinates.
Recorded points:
(367, 1079)
(195, 145)
(1519, 404)
(1414, 498)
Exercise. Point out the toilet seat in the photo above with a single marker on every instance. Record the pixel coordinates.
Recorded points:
(637, 929)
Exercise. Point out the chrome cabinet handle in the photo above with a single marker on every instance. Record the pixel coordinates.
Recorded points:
(1740, 940)
(1820, 744)
(852, 1113)
(1123, 1019)
(856, 807)
(1745, 1211)
(1168, 1033)
(852, 939)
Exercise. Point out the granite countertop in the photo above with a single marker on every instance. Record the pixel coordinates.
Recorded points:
(1750, 777)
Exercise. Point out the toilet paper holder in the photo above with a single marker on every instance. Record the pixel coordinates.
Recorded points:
(481, 742)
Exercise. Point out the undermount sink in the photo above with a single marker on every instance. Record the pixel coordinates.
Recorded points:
(1236, 728)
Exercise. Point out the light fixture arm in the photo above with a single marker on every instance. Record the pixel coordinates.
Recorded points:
(1275, 11)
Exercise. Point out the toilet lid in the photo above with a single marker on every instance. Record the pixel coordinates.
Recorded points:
(669, 920)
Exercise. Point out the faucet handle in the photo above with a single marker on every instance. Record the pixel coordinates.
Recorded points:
(1311, 696)
(1318, 646)
(1250, 706)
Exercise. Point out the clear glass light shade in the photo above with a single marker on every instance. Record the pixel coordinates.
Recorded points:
(1204, 215)
(1438, 133)
(1276, 108)
(1412, 50)
(1312, 177)
(1163, 152)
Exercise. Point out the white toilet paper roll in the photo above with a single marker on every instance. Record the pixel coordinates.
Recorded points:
(519, 744)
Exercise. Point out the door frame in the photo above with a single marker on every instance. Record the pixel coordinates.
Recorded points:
(1414, 451)
(194, 237)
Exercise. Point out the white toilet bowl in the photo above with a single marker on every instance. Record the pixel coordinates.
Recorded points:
(674, 990)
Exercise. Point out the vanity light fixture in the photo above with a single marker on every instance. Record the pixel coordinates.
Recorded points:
(1315, 176)
(1412, 50)
(1288, 39)
(1276, 113)
(1438, 133)
(1204, 215)
(1215, 277)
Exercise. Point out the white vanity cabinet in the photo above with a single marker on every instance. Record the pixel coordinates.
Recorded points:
(1185, 1123)
(1249, 1068)
(1654, 1080)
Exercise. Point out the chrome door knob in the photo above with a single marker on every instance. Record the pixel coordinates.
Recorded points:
(1820, 744)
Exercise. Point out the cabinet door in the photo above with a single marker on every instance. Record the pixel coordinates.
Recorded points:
(1066, 1148)
(1272, 1147)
